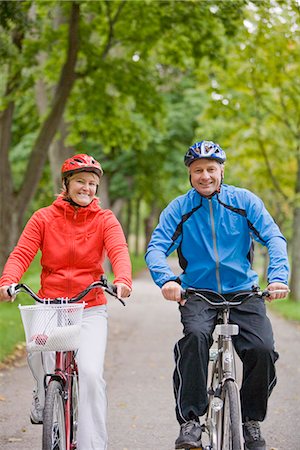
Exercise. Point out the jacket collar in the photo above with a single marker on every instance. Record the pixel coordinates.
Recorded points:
(66, 206)
(213, 197)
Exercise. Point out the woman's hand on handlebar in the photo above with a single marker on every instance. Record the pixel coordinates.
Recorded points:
(275, 287)
(4, 296)
(173, 291)
(123, 291)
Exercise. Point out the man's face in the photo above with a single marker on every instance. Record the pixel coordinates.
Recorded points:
(206, 176)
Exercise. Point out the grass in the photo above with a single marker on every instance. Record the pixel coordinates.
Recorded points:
(11, 328)
(286, 308)
(138, 264)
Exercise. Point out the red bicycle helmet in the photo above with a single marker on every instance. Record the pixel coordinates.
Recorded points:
(81, 163)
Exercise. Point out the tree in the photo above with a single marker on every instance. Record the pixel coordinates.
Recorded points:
(104, 72)
(13, 203)
(254, 107)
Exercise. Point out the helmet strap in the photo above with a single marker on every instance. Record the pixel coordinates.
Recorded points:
(216, 192)
(69, 200)
(65, 183)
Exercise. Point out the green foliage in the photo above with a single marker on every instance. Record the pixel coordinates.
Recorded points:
(44, 194)
(138, 264)
(19, 156)
(135, 93)
(254, 111)
(133, 58)
(153, 77)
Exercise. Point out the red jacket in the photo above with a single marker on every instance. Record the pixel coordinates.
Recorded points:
(74, 244)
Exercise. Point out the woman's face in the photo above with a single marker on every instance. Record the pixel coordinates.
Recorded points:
(82, 187)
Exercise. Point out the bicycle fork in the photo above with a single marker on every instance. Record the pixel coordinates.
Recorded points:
(223, 369)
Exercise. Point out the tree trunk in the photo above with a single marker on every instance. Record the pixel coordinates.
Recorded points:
(137, 226)
(58, 153)
(295, 272)
(9, 214)
(295, 253)
(103, 193)
(50, 126)
(14, 205)
(150, 223)
(127, 218)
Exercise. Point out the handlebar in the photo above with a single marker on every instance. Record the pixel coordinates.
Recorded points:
(111, 289)
(209, 295)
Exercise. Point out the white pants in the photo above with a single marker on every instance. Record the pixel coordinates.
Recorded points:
(92, 433)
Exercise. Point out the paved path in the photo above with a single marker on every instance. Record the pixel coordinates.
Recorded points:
(139, 368)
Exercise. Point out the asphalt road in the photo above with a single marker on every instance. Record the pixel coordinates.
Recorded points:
(139, 368)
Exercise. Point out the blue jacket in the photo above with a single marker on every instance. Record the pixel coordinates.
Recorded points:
(214, 241)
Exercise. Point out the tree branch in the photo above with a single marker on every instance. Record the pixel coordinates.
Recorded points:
(258, 103)
(269, 168)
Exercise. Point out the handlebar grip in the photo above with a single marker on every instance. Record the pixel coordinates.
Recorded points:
(268, 293)
(11, 290)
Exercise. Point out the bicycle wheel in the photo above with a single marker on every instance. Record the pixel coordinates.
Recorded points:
(54, 433)
(232, 422)
(74, 399)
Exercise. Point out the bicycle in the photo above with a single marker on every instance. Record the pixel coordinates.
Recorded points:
(223, 419)
(54, 325)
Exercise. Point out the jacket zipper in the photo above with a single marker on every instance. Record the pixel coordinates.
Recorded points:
(72, 253)
(215, 245)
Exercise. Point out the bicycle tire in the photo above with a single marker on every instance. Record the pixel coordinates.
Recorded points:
(74, 398)
(232, 422)
(54, 432)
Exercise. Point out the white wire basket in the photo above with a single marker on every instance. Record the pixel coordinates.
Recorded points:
(52, 327)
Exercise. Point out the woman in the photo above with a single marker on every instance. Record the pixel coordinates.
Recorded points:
(74, 235)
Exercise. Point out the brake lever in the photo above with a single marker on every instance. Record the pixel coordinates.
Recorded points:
(12, 291)
(110, 289)
(113, 291)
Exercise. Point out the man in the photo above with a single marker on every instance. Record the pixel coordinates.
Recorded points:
(212, 227)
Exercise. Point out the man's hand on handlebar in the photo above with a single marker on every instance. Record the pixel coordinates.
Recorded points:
(277, 286)
(173, 291)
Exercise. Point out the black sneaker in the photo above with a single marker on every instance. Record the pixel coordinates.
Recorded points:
(253, 437)
(189, 436)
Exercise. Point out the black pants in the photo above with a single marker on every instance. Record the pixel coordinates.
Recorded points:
(254, 345)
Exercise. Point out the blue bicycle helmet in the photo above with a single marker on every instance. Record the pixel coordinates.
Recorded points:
(204, 149)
